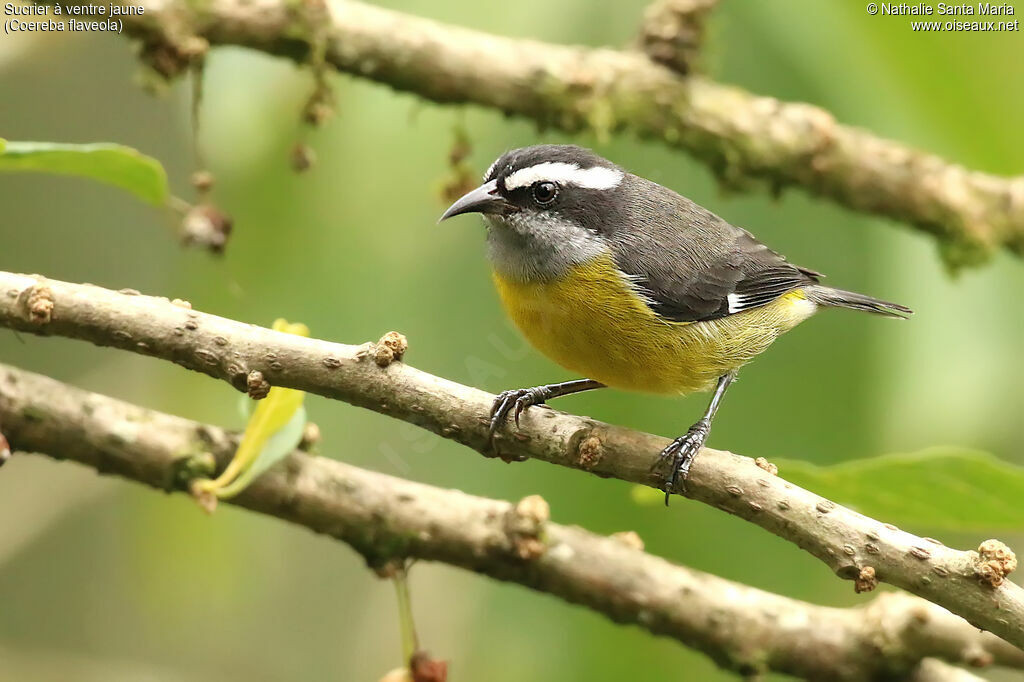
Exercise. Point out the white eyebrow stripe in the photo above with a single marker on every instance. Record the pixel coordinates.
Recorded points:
(597, 177)
(490, 168)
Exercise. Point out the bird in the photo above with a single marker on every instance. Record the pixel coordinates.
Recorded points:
(633, 286)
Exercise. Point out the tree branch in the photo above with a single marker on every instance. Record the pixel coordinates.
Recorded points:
(741, 136)
(966, 583)
(388, 519)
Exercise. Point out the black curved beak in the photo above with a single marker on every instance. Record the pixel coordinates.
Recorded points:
(483, 199)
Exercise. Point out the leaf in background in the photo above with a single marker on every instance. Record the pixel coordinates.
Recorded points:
(245, 406)
(113, 164)
(940, 488)
(280, 443)
(274, 429)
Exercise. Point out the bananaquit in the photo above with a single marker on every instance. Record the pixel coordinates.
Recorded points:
(634, 286)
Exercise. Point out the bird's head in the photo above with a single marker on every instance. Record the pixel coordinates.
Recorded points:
(547, 207)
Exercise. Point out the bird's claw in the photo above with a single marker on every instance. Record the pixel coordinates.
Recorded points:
(680, 453)
(515, 401)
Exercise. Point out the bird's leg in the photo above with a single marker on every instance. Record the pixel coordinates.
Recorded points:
(682, 450)
(522, 398)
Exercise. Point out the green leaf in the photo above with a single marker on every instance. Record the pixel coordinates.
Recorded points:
(948, 489)
(113, 164)
(939, 488)
(278, 445)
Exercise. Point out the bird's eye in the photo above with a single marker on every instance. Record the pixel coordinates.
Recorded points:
(544, 192)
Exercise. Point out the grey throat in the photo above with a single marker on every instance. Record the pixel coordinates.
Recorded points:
(530, 246)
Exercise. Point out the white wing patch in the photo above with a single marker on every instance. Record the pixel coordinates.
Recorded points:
(597, 177)
(738, 303)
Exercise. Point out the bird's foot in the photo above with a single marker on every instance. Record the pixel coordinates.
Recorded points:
(515, 401)
(679, 455)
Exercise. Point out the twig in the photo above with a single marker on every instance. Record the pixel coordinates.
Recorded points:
(849, 543)
(672, 32)
(741, 136)
(388, 519)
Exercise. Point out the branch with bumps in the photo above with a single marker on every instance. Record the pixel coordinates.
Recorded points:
(855, 547)
(388, 520)
(739, 135)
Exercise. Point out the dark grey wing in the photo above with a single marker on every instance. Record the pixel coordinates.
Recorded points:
(692, 265)
(765, 275)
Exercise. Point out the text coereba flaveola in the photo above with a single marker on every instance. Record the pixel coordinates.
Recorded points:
(632, 285)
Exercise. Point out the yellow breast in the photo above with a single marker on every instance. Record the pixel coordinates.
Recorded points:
(592, 322)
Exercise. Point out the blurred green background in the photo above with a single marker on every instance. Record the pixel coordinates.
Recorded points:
(103, 580)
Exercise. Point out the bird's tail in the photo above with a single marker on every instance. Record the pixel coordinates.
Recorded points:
(847, 299)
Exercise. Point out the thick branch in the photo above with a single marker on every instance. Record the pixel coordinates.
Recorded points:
(844, 540)
(386, 518)
(738, 134)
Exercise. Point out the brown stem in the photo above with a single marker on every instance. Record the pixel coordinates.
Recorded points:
(672, 32)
